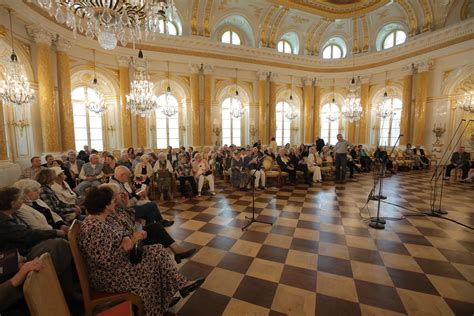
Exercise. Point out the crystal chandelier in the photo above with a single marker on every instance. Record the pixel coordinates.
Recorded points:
(385, 108)
(141, 99)
(237, 110)
(352, 110)
(291, 113)
(96, 103)
(111, 21)
(467, 103)
(333, 116)
(168, 109)
(15, 88)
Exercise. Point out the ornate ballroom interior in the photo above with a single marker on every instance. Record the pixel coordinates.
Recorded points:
(237, 71)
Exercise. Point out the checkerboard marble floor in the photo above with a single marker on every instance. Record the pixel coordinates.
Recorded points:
(320, 258)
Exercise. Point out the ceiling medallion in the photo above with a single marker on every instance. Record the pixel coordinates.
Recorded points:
(111, 21)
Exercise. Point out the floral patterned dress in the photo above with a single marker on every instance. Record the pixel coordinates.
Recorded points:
(155, 279)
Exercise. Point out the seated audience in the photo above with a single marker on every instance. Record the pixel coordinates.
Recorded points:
(68, 212)
(239, 176)
(410, 154)
(459, 159)
(11, 293)
(156, 233)
(73, 164)
(125, 161)
(172, 156)
(381, 156)
(105, 247)
(83, 156)
(109, 166)
(364, 159)
(91, 174)
(137, 160)
(273, 145)
(143, 171)
(62, 188)
(253, 162)
(131, 154)
(164, 176)
(144, 209)
(184, 172)
(299, 164)
(313, 166)
(283, 161)
(31, 172)
(319, 144)
(202, 172)
(420, 152)
(49, 161)
(32, 243)
(34, 211)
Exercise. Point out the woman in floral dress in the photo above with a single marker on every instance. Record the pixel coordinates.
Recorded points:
(105, 246)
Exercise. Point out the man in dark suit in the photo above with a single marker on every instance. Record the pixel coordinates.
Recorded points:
(283, 161)
(421, 152)
(319, 144)
(460, 159)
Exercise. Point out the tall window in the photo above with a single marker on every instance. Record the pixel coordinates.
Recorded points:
(283, 125)
(87, 125)
(329, 129)
(284, 47)
(167, 128)
(390, 126)
(231, 126)
(230, 37)
(170, 28)
(394, 38)
(332, 52)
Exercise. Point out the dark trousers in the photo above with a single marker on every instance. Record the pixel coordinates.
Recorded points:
(464, 168)
(291, 173)
(366, 163)
(182, 184)
(157, 234)
(149, 212)
(341, 166)
(304, 168)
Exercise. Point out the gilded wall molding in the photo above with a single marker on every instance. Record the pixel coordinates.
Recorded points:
(318, 36)
(207, 15)
(311, 33)
(410, 14)
(266, 22)
(365, 31)
(194, 26)
(427, 15)
(465, 10)
(355, 36)
(276, 26)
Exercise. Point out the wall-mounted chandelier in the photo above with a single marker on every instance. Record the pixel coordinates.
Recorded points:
(352, 110)
(112, 21)
(291, 112)
(96, 103)
(467, 102)
(15, 87)
(237, 110)
(141, 100)
(169, 109)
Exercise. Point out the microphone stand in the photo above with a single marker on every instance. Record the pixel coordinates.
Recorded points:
(378, 222)
(436, 175)
(253, 219)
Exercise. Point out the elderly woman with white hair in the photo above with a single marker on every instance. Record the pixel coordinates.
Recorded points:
(202, 172)
(164, 175)
(62, 188)
(34, 211)
(143, 170)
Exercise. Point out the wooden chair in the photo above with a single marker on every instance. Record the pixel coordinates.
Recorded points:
(42, 291)
(93, 298)
(270, 172)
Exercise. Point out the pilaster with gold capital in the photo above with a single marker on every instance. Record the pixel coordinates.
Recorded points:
(126, 116)
(406, 121)
(3, 135)
(317, 107)
(421, 102)
(195, 111)
(262, 106)
(308, 109)
(66, 117)
(272, 106)
(364, 102)
(208, 70)
(46, 100)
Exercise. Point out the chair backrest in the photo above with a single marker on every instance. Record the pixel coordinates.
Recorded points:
(329, 159)
(267, 163)
(81, 266)
(43, 293)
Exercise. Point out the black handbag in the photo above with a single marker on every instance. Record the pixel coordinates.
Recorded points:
(136, 254)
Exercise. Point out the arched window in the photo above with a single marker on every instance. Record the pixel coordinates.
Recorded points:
(167, 128)
(230, 37)
(87, 125)
(284, 47)
(231, 126)
(170, 29)
(330, 128)
(390, 125)
(394, 38)
(283, 124)
(332, 51)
